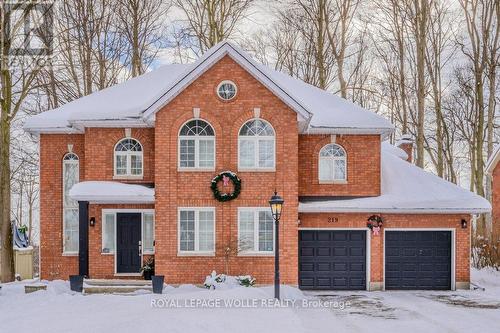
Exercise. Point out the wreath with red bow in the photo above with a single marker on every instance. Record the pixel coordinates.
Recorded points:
(226, 177)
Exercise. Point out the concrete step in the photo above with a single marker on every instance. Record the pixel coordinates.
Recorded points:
(114, 289)
(115, 286)
(116, 282)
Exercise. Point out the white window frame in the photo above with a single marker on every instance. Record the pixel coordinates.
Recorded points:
(197, 139)
(114, 212)
(227, 82)
(255, 251)
(128, 155)
(332, 160)
(196, 251)
(256, 139)
(64, 163)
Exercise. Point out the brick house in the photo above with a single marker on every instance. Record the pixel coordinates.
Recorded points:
(493, 169)
(126, 173)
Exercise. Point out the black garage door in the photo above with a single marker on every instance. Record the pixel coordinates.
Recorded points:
(332, 259)
(418, 260)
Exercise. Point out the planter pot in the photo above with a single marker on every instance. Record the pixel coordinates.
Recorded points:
(147, 275)
(76, 282)
(158, 283)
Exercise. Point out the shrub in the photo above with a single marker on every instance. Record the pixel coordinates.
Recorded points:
(486, 253)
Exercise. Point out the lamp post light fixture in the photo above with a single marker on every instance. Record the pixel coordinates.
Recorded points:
(276, 204)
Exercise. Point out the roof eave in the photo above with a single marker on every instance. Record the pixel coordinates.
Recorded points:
(389, 210)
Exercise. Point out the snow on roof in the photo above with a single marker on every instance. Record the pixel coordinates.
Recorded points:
(387, 147)
(137, 99)
(407, 188)
(124, 101)
(111, 192)
(493, 160)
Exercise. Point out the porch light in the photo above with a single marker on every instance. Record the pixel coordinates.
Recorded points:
(464, 224)
(276, 204)
(92, 221)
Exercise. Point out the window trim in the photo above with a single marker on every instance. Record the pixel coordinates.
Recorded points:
(255, 252)
(197, 210)
(64, 207)
(225, 82)
(196, 139)
(128, 174)
(111, 211)
(255, 139)
(333, 159)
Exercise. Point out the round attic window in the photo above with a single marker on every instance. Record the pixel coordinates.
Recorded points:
(226, 90)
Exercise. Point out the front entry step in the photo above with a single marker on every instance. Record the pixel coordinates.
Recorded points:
(104, 286)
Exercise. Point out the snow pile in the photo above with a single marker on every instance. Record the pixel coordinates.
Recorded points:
(222, 281)
(111, 192)
(407, 188)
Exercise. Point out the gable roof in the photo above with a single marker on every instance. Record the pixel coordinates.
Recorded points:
(493, 160)
(408, 189)
(135, 102)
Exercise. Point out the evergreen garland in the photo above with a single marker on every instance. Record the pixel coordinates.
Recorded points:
(223, 197)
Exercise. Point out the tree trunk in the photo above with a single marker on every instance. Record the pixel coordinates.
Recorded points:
(6, 250)
(421, 29)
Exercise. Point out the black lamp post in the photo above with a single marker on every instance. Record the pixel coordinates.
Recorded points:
(276, 204)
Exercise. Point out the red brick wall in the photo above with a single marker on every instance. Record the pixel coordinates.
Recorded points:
(99, 150)
(462, 236)
(177, 189)
(53, 147)
(363, 165)
(495, 201)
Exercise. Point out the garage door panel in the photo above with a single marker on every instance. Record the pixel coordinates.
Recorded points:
(339, 260)
(323, 252)
(339, 251)
(307, 252)
(418, 259)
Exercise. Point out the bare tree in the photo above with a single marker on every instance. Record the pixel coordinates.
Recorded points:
(212, 21)
(16, 84)
(141, 24)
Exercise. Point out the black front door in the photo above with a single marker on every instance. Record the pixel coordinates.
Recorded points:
(128, 236)
(332, 259)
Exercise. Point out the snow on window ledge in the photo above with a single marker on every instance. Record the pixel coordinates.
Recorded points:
(256, 169)
(256, 254)
(195, 254)
(333, 182)
(128, 177)
(194, 169)
(70, 254)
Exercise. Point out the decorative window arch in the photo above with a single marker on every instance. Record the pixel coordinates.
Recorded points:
(71, 176)
(128, 158)
(256, 145)
(197, 145)
(332, 163)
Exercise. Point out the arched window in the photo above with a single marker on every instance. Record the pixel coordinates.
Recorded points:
(128, 158)
(197, 145)
(71, 176)
(332, 163)
(256, 145)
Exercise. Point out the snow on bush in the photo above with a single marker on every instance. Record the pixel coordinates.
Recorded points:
(223, 281)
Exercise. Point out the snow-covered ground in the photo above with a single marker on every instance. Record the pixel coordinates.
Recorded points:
(189, 309)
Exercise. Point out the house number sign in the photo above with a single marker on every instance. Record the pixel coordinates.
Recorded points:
(332, 219)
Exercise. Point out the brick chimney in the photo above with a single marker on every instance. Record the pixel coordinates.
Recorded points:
(406, 143)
